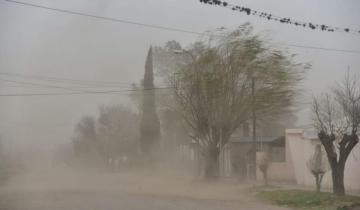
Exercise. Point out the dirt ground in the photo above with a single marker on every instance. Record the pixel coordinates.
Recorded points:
(53, 190)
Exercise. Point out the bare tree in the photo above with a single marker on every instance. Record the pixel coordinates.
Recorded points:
(337, 118)
(214, 90)
(318, 166)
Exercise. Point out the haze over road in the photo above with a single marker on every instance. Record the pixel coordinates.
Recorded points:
(72, 191)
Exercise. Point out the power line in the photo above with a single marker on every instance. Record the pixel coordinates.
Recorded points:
(106, 18)
(83, 93)
(63, 80)
(82, 90)
(77, 91)
(41, 85)
(269, 16)
(165, 27)
(321, 48)
(81, 86)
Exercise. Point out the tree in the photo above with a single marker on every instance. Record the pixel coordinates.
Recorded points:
(175, 132)
(168, 58)
(318, 166)
(118, 132)
(214, 89)
(150, 124)
(86, 145)
(337, 119)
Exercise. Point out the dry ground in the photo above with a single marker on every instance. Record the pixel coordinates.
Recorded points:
(53, 190)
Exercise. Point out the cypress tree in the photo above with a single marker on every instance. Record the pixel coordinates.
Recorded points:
(150, 124)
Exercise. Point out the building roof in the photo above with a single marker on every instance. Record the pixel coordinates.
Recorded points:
(276, 140)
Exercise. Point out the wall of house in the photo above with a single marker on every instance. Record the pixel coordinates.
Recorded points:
(281, 171)
(299, 150)
(236, 164)
(352, 170)
(239, 157)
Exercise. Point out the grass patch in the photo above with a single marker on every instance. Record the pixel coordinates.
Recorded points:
(301, 199)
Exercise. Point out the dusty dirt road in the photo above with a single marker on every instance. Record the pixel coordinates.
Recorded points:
(76, 191)
(115, 201)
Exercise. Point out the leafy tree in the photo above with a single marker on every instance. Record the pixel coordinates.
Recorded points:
(175, 131)
(337, 119)
(86, 145)
(215, 92)
(118, 132)
(318, 166)
(168, 58)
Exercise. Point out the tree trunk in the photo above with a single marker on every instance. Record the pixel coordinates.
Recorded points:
(338, 179)
(212, 168)
(337, 162)
(318, 182)
(266, 177)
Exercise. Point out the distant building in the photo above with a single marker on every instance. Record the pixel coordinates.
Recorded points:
(235, 157)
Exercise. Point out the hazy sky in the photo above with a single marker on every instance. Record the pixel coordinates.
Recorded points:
(42, 42)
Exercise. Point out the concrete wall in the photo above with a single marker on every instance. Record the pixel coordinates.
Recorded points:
(300, 147)
(282, 171)
(277, 171)
(352, 170)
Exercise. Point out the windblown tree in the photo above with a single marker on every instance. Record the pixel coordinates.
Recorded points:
(168, 58)
(215, 90)
(150, 124)
(175, 132)
(337, 118)
(318, 165)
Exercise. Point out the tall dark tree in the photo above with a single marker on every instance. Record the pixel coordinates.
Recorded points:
(150, 124)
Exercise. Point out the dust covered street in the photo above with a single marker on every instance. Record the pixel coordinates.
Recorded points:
(72, 191)
(113, 201)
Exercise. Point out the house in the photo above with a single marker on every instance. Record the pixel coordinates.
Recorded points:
(289, 156)
(299, 147)
(235, 158)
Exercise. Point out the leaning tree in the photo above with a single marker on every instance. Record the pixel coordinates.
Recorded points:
(228, 75)
(337, 118)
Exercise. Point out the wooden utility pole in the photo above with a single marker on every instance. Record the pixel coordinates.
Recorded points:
(253, 108)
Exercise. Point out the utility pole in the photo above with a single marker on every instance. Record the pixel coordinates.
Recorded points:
(253, 109)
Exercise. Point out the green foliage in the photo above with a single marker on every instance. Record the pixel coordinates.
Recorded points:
(300, 199)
